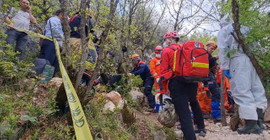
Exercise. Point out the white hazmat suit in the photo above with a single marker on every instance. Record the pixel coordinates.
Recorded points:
(246, 87)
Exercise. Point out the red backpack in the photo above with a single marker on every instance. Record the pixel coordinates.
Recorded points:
(191, 61)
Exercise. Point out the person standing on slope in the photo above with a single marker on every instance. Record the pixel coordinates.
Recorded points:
(246, 86)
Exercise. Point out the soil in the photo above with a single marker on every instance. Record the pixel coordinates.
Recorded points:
(215, 131)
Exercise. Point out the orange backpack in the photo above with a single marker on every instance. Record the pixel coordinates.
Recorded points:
(191, 61)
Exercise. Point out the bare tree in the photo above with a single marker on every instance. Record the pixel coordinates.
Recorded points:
(179, 13)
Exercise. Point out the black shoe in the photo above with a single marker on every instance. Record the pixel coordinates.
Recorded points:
(206, 116)
(250, 127)
(201, 132)
(260, 118)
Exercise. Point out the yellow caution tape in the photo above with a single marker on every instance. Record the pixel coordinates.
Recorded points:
(79, 120)
(80, 124)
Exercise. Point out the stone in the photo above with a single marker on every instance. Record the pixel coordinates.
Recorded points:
(55, 83)
(159, 135)
(121, 104)
(138, 97)
(109, 106)
(179, 134)
(115, 97)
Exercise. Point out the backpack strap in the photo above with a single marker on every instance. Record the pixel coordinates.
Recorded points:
(70, 20)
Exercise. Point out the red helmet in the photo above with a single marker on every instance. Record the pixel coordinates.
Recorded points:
(173, 34)
(158, 49)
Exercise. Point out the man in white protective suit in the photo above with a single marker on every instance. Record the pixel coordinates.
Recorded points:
(246, 86)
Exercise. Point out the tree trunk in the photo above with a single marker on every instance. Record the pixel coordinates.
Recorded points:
(113, 5)
(222, 108)
(66, 29)
(240, 39)
(84, 43)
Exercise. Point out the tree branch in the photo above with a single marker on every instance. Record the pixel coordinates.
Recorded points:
(240, 39)
(113, 5)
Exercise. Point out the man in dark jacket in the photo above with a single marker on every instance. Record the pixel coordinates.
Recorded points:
(212, 83)
(140, 68)
(76, 46)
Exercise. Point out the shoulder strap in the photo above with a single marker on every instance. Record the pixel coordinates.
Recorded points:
(141, 62)
(172, 47)
(70, 20)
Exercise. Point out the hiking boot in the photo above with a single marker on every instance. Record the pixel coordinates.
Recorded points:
(250, 127)
(260, 118)
(206, 116)
(201, 132)
(217, 120)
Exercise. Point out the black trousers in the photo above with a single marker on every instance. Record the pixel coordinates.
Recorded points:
(148, 85)
(48, 52)
(184, 94)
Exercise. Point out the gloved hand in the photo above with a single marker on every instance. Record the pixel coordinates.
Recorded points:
(227, 73)
(157, 80)
(129, 74)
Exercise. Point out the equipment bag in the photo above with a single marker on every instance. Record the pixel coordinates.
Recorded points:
(191, 61)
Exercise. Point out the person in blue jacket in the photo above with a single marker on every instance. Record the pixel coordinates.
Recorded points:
(212, 83)
(140, 68)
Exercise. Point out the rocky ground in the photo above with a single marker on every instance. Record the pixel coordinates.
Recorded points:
(214, 131)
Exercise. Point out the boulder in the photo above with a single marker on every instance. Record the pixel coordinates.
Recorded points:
(109, 106)
(115, 97)
(138, 97)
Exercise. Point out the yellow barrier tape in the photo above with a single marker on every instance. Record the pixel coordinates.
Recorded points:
(174, 60)
(200, 65)
(80, 124)
(79, 120)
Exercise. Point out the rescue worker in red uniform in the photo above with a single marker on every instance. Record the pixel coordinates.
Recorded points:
(182, 93)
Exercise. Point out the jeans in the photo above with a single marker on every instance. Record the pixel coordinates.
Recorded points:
(184, 94)
(148, 85)
(18, 38)
(48, 52)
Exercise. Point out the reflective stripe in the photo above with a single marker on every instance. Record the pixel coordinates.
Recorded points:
(203, 92)
(158, 63)
(155, 74)
(157, 90)
(174, 60)
(200, 65)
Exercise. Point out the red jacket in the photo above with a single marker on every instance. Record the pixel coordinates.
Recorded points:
(166, 64)
(167, 59)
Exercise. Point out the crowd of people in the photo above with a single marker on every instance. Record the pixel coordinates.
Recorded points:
(242, 87)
